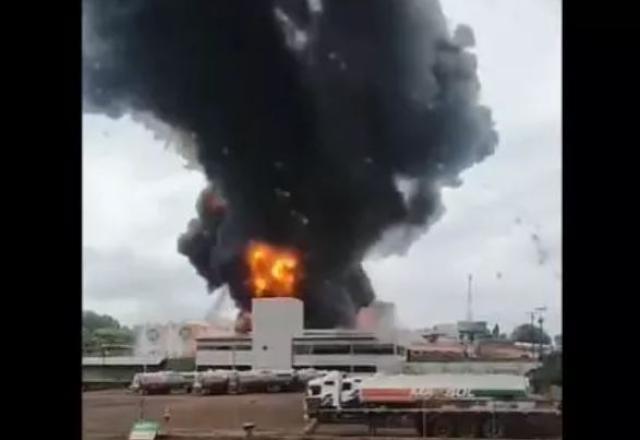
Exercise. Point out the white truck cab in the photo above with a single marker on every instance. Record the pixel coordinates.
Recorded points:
(334, 390)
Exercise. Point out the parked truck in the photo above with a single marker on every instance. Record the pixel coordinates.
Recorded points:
(256, 381)
(437, 405)
(261, 381)
(212, 382)
(162, 382)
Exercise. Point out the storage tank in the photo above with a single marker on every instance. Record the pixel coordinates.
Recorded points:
(161, 382)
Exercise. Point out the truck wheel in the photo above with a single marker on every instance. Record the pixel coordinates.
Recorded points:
(420, 425)
(493, 427)
(467, 427)
(442, 427)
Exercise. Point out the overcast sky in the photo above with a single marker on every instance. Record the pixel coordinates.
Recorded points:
(138, 197)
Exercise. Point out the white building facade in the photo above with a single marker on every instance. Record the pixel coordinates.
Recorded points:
(279, 341)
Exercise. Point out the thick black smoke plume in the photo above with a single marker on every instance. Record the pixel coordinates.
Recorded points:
(305, 114)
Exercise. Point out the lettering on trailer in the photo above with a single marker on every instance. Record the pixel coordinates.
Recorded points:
(442, 393)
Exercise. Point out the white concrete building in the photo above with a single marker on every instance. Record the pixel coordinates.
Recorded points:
(276, 321)
(279, 341)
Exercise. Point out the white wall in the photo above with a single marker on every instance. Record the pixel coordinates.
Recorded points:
(217, 357)
(387, 363)
(275, 322)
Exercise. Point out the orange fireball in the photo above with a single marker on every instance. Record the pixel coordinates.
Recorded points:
(274, 271)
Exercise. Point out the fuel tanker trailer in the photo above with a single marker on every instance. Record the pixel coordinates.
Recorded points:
(438, 405)
(212, 382)
(161, 382)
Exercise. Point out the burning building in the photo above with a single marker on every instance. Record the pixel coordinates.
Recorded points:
(279, 341)
(305, 115)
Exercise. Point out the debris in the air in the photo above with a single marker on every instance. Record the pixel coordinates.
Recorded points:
(282, 193)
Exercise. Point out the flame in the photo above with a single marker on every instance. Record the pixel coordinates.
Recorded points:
(274, 271)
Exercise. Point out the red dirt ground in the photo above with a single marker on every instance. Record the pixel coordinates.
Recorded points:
(111, 414)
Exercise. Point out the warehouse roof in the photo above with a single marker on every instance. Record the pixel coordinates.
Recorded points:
(122, 360)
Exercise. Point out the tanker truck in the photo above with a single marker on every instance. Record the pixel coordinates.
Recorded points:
(436, 405)
(212, 382)
(257, 381)
(260, 381)
(161, 382)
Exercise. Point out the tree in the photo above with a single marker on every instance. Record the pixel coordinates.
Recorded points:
(496, 331)
(92, 321)
(530, 334)
(549, 373)
(99, 330)
(114, 336)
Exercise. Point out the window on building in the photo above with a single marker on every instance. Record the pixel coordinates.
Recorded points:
(302, 349)
(331, 349)
(345, 368)
(364, 369)
(215, 348)
(242, 347)
(374, 349)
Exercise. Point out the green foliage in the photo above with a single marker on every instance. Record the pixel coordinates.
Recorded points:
(496, 331)
(103, 330)
(550, 373)
(92, 321)
(531, 334)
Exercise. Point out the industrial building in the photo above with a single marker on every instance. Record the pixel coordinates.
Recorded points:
(116, 371)
(461, 330)
(280, 341)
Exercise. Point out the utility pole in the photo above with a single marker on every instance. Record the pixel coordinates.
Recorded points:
(540, 321)
(533, 328)
(541, 310)
(469, 302)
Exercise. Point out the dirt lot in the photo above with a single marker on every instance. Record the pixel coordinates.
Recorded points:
(110, 414)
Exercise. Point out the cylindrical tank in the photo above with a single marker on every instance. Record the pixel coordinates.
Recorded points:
(161, 382)
(212, 382)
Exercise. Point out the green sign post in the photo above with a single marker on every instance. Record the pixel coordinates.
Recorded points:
(144, 430)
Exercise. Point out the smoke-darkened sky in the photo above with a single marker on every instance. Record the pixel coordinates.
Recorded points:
(138, 198)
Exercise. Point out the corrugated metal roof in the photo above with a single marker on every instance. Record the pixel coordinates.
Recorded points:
(121, 360)
(470, 381)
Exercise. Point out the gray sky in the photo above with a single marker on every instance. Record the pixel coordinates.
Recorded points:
(137, 198)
